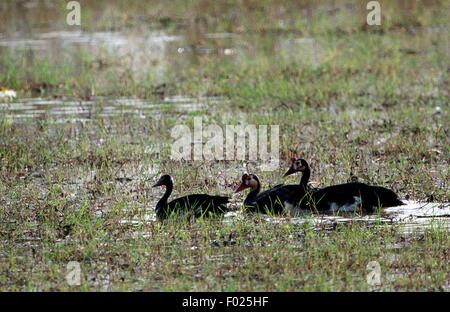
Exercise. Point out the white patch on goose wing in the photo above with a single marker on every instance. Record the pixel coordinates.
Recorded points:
(290, 209)
(349, 207)
(333, 207)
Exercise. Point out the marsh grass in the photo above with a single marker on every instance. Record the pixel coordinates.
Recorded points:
(62, 202)
(374, 105)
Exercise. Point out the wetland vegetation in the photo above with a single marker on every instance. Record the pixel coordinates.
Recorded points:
(90, 133)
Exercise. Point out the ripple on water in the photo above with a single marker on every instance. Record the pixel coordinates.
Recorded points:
(70, 110)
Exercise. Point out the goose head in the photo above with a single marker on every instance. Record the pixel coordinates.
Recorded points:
(164, 180)
(297, 165)
(248, 180)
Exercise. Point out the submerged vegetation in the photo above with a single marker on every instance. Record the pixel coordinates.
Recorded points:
(353, 100)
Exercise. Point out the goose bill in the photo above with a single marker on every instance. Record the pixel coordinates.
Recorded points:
(241, 187)
(289, 172)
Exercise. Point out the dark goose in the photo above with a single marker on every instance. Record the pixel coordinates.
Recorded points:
(197, 204)
(277, 200)
(342, 197)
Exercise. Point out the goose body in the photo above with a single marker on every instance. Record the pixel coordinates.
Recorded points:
(349, 197)
(197, 205)
(345, 197)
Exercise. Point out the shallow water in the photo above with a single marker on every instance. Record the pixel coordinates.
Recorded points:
(414, 217)
(81, 110)
(150, 51)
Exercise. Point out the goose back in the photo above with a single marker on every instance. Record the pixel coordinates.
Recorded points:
(197, 205)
